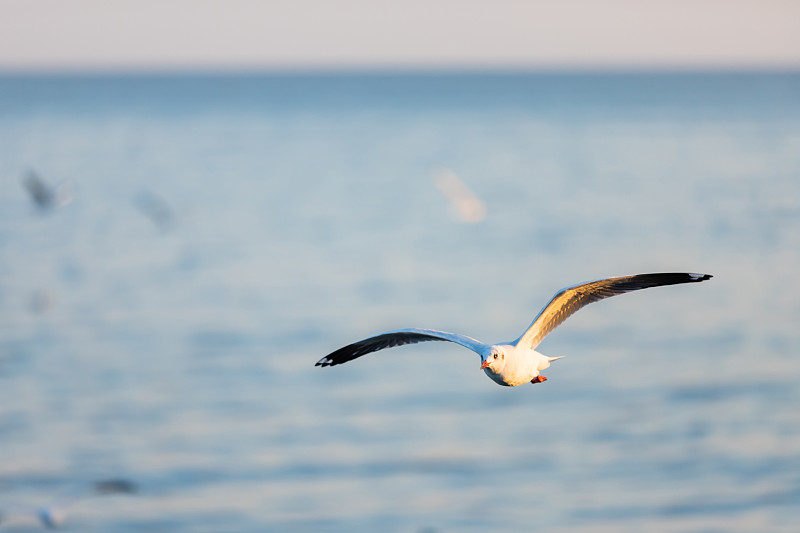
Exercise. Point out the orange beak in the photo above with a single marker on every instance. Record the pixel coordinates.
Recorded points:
(486, 363)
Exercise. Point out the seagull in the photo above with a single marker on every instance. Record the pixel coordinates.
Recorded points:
(45, 196)
(52, 515)
(466, 206)
(514, 363)
(156, 209)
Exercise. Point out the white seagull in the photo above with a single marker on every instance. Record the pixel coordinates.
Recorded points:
(517, 362)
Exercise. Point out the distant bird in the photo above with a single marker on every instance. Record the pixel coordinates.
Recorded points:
(114, 486)
(44, 196)
(53, 515)
(465, 205)
(517, 362)
(156, 209)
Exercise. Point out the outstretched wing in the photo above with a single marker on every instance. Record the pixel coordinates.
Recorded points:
(568, 300)
(396, 338)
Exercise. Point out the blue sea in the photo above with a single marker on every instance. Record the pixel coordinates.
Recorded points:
(210, 237)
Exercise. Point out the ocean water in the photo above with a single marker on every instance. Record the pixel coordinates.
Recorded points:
(225, 232)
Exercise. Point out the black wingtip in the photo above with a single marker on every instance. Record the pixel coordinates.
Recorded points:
(701, 277)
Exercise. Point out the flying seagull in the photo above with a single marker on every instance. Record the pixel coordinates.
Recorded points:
(517, 362)
(52, 515)
(45, 196)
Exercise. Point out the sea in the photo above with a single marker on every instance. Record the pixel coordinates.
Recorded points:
(177, 251)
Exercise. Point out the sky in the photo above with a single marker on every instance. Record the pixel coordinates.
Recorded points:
(363, 34)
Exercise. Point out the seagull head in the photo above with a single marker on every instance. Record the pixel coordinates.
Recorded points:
(494, 361)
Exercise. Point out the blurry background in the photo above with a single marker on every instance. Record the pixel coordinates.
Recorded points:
(201, 199)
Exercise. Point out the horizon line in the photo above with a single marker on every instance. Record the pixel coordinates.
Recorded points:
(387, 70)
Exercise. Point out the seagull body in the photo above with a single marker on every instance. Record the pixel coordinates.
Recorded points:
(517, 362)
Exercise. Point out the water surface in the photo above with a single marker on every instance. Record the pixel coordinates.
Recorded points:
(226, 232)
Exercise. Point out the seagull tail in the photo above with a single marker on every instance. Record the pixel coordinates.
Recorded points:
(545, 363)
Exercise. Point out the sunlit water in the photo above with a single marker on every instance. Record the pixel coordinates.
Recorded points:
(227, 232)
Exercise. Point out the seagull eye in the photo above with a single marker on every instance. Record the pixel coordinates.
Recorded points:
(495, 356)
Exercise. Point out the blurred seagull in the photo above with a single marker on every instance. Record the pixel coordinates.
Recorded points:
(53, 515)
(517, 362)
(156, 209)
(44, 196)
(465, 205)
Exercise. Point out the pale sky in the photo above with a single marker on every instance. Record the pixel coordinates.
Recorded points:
(309, 34)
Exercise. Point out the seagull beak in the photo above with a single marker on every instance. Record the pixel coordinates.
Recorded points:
(486, 363)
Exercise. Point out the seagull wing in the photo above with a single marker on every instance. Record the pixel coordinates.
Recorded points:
(38, 189)
(569, 299)
(396, 338)
(114, 486)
